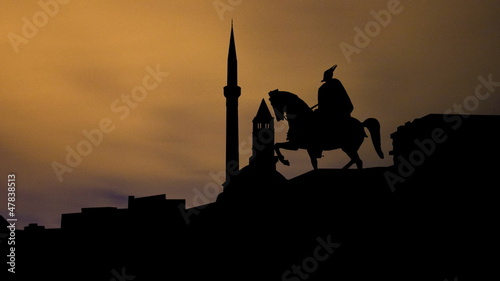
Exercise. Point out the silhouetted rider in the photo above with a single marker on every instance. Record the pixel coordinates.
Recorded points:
(334, 103)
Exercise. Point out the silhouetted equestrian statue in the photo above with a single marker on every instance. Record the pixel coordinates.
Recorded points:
(327, 128)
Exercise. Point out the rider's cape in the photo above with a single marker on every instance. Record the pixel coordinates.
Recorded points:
(333, 100)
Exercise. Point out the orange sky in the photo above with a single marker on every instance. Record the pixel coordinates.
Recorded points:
(64, 66)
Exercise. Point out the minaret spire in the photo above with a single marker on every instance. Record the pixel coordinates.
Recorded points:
(232, 92)
(232, 61)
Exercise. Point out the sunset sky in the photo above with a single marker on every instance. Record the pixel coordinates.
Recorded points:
(66, 68)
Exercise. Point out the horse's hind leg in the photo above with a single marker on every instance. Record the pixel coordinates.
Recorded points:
(354, 160)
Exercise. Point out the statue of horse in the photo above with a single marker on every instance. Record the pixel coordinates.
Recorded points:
(309, 130)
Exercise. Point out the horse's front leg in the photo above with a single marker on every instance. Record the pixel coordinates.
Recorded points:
(314, 160)
(287, 146)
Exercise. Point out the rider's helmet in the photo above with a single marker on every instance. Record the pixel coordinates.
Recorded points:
(328, 74)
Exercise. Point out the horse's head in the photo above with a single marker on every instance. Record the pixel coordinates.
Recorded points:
(278, 104)
(286, 104)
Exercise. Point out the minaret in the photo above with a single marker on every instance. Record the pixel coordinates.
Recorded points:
(263, 140)
(232, 91)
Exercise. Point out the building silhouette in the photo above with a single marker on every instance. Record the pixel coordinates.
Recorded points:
(155, 212)
(445, 138)
(263, 139)
(232, 92)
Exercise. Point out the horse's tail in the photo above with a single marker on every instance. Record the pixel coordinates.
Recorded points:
(374, 127)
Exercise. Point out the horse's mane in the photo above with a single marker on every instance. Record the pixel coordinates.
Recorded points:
(293, 99)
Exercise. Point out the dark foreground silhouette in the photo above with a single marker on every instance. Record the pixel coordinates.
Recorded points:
(430, 216)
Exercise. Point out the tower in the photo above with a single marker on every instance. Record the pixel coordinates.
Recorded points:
(263, 139)
(232, 92)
